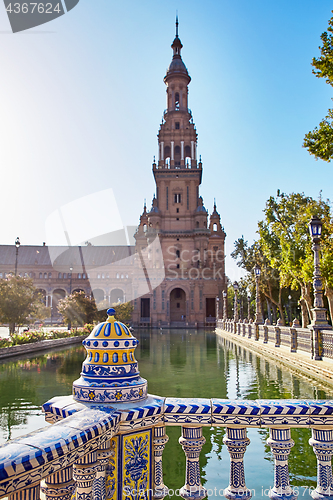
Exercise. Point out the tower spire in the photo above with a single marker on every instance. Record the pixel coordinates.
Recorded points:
(177, 24)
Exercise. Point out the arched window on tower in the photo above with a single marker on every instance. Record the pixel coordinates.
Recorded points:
(215, 227)
(177, 157)
(177, 102)
(187, 156)
(167, 154)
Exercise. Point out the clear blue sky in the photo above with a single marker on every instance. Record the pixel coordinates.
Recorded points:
(82, 98)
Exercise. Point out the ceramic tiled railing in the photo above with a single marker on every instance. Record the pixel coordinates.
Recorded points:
(72, 455)
(295, 338)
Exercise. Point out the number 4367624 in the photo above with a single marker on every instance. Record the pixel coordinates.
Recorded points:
(31, 8)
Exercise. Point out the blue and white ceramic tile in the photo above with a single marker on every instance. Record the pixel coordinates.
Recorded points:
(17, 458)
(180, 411)
(96, 422)
(226, 412)
(321, 412)
(288, 412)
(145, 415)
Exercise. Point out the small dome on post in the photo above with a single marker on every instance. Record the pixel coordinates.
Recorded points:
(110, 372)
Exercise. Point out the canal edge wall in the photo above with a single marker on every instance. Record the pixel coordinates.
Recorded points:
(300, 362)
(43, 345)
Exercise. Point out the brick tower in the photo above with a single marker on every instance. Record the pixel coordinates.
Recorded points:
(192, 251)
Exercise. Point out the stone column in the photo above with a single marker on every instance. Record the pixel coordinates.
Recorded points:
(160, 440)
(266, 324)
(278, 333)
(84, 473)
(30, 493)
(322, 442)
(60, 485)
(236, 441)
(281, 443)
(192, 441)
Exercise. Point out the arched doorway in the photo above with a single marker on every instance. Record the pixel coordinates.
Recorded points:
(177, 305)
(57, 295)
(98, 295)
(116, 295)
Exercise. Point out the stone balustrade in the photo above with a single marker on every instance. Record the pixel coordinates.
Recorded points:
(294, 337)
(77, 456)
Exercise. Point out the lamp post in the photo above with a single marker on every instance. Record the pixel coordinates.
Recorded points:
(236, 288)
(248, 307)
(319, 317)
(217, 308)
(258, 319)
(225, 306)
(70, 280)
(17, 245)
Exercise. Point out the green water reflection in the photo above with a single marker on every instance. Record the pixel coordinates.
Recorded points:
(180, 364)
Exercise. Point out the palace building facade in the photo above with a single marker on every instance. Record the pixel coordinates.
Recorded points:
(175, 270)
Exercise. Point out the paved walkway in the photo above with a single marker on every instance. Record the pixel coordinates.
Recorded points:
(298, 361)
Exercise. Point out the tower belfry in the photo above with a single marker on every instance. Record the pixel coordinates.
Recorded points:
(193, 253)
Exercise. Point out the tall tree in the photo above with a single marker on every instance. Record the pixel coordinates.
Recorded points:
(319, 142)
(78, 309)
(247, 257)
(19, 301)
(285, 240)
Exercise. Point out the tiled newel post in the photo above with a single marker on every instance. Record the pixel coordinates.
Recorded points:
(236, 442)
(160, 439)
(59, 486)
(281, 443)
(322, 442)
(192, 442)
(84, 473)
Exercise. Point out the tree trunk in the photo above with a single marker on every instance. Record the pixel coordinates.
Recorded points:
(11, 328)
(304, 310)
(280, 306)
(329, 295)
(269, 310)
(307, 296)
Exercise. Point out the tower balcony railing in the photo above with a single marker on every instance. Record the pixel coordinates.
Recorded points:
(177, 110)
(78, 455)
(177, 165)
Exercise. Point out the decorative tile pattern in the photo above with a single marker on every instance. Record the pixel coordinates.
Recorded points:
(136, 465)
(289, 412)
(321, 412)
(243, 413)
(180, 411)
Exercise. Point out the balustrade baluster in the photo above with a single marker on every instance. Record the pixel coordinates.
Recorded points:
(84, 473)
(322, 442)
(236, 442)
(31, 493)
(281, 443)
(59, 485)
(192, 442)
(103, 456)
(159, 441)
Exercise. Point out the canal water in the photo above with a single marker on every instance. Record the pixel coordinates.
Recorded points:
(177, 363)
